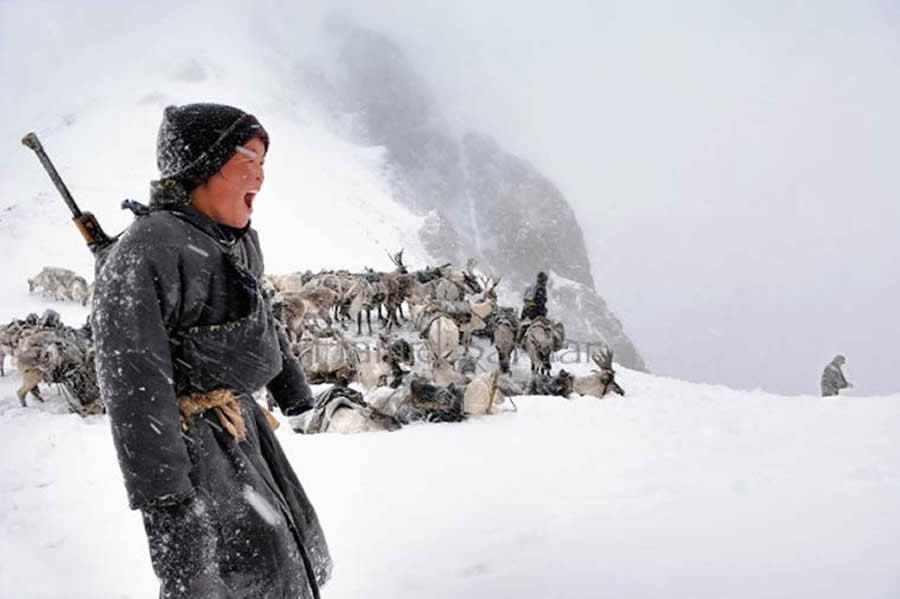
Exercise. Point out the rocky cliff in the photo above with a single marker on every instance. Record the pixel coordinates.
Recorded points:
(479, 199)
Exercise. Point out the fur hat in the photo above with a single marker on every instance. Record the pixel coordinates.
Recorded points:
(194, 142)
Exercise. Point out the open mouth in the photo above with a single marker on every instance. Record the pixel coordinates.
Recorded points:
(248, 199)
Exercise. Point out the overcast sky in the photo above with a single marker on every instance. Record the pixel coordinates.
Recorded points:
(732, 164)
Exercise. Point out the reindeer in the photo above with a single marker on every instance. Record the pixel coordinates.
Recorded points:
(387, 400)
(446, 289)
(482, 393)
(12, 333)
(466, 280)
(431, 273)
(470, 279)
(393, 359)
(58, 355)
(379, 293)
(426, 402)
(30, 357)
(442, 283)
(469, 317)
(453, 285)
(444, 373)
(601, 381)
(328, 359)
(333, 280)
(540, 339)
(442, 339)
(290, 309)
(315, 301)
(401, 358)
(60, 284)
(422, 400)
(511, 387)
(397, 284)
(479, 313)
(290, 283)
(343, 410)
(341, 282)
(360, 296)
(504, 325)
(423, 284)
(489, 285)
(301, 296)
(543, 384)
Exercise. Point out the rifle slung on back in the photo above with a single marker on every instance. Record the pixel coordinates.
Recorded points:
(86, 222)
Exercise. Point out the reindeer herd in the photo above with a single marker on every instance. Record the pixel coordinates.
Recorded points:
(443, 349)
(442, 346)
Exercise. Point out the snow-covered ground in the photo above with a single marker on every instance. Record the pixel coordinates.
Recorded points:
(676, 490)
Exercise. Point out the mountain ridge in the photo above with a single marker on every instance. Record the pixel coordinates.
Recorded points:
(479, 199)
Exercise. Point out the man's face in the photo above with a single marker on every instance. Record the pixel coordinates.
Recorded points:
(233, 189)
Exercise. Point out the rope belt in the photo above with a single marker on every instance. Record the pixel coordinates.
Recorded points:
(227, 406)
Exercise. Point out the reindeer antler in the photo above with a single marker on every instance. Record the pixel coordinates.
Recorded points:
(489, 283)
(397, 258)
(603, 358)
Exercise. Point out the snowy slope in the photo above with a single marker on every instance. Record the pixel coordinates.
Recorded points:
(676, 490)
(325, 202)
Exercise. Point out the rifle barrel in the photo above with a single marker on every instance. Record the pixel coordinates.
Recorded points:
(31, 140)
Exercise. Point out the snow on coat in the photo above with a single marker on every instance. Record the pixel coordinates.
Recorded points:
(178, 310)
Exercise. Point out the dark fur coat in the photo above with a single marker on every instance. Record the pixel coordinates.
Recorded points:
(178, 309)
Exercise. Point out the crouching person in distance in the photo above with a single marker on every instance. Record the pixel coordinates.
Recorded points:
(183, 336)
(833, 380)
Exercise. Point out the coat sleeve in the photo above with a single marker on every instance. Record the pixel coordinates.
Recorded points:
(136, 296)
(842, 379)
(289, 387)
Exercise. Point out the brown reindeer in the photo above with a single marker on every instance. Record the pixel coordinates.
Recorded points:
(361, 296)
(504, 324)
(602, 381)
(58, 355)
(317, 301)
(291, 310)
(397, 285)
(540, 340)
